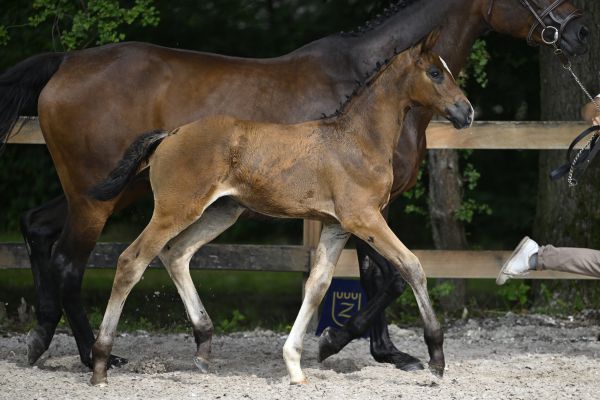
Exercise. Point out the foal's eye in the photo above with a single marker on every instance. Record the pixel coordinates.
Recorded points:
(435, 74)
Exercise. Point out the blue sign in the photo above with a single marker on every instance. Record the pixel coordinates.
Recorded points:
(344, 298)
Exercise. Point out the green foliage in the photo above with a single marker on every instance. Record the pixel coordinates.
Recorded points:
(27, 179)
(416, 196)
(3, 35)
(79, 24)
(406, 309)
(233, 324)
(515, 293)
(476, 65)
(469, 206)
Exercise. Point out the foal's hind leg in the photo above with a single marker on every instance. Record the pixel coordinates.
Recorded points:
(131, 265)
(373, 228)
(331, 244)
(176, 257)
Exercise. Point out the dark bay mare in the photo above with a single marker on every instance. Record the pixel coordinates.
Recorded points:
(91, 103)
(337, 170)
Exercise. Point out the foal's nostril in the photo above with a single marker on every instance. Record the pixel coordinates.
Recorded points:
(583, 34)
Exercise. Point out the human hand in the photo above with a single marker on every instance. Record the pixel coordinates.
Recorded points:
(590, 113)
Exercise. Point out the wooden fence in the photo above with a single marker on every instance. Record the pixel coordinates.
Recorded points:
(437, 264)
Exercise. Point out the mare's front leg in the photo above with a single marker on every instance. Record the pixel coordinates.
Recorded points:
(383, 284)
(372, 228)
(331, 244)
(176, 257)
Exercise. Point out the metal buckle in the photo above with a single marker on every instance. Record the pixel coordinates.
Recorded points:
(555, 36)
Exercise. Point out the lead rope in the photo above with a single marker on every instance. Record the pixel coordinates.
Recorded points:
(588, 146)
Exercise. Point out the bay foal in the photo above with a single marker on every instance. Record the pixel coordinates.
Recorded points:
(338, 170)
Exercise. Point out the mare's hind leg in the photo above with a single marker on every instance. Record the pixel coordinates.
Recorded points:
(331, 244)
(383, 284)
(69, 257)
(373, 228)
(176, 256)
(40, 228)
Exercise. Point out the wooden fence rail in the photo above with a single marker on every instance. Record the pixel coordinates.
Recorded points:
(437, 264)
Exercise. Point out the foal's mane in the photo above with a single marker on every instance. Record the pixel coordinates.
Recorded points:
(379, 19)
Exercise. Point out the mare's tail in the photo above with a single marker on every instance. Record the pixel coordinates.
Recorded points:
(20, 88)
(138, 151)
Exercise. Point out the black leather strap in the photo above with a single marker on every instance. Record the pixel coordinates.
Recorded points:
(584, 159)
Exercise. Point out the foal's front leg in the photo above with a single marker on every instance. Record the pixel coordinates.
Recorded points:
(331, 244)
(372, 228)
(383, 284)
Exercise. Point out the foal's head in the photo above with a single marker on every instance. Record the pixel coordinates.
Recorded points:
(432, 85)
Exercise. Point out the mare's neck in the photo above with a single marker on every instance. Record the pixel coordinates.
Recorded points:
(398, 32)
(457, 38)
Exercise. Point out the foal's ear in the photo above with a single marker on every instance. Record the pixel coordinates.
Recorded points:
(425, 45)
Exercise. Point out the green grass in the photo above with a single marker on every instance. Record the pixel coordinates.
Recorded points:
(234, 300)
(246, 300)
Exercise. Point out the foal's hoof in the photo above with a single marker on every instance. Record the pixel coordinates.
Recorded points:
(100, 381)
(401, 360)
(35, 344)
(202, 364)
(116, 361)
(299, 381)
(327, 347)
(437, 369)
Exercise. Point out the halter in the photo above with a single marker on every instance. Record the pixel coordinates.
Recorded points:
(550, 34)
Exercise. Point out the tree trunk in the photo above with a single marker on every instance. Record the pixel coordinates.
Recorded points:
(445, 197)
(569, 216)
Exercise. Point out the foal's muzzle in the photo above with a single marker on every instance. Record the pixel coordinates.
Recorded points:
(460, 114)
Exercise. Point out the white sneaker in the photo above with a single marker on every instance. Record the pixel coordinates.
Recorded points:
(518, 262)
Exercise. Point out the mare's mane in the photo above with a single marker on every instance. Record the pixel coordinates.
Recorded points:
(394, 8)
(391, 10)
(361, 86)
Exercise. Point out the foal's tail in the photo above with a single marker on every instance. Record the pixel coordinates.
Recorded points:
(20, 88)
(138, 151)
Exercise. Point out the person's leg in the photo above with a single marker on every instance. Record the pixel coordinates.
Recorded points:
(569, 259)
(529, 256)
(520, 262)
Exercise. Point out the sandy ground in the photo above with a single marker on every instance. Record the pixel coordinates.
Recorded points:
(511, 357)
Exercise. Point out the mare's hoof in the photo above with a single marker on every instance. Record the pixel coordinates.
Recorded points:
(202, 364)
(35, 344)
(327, 348)
(116, 362)
(437, 370)
(401, 360)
